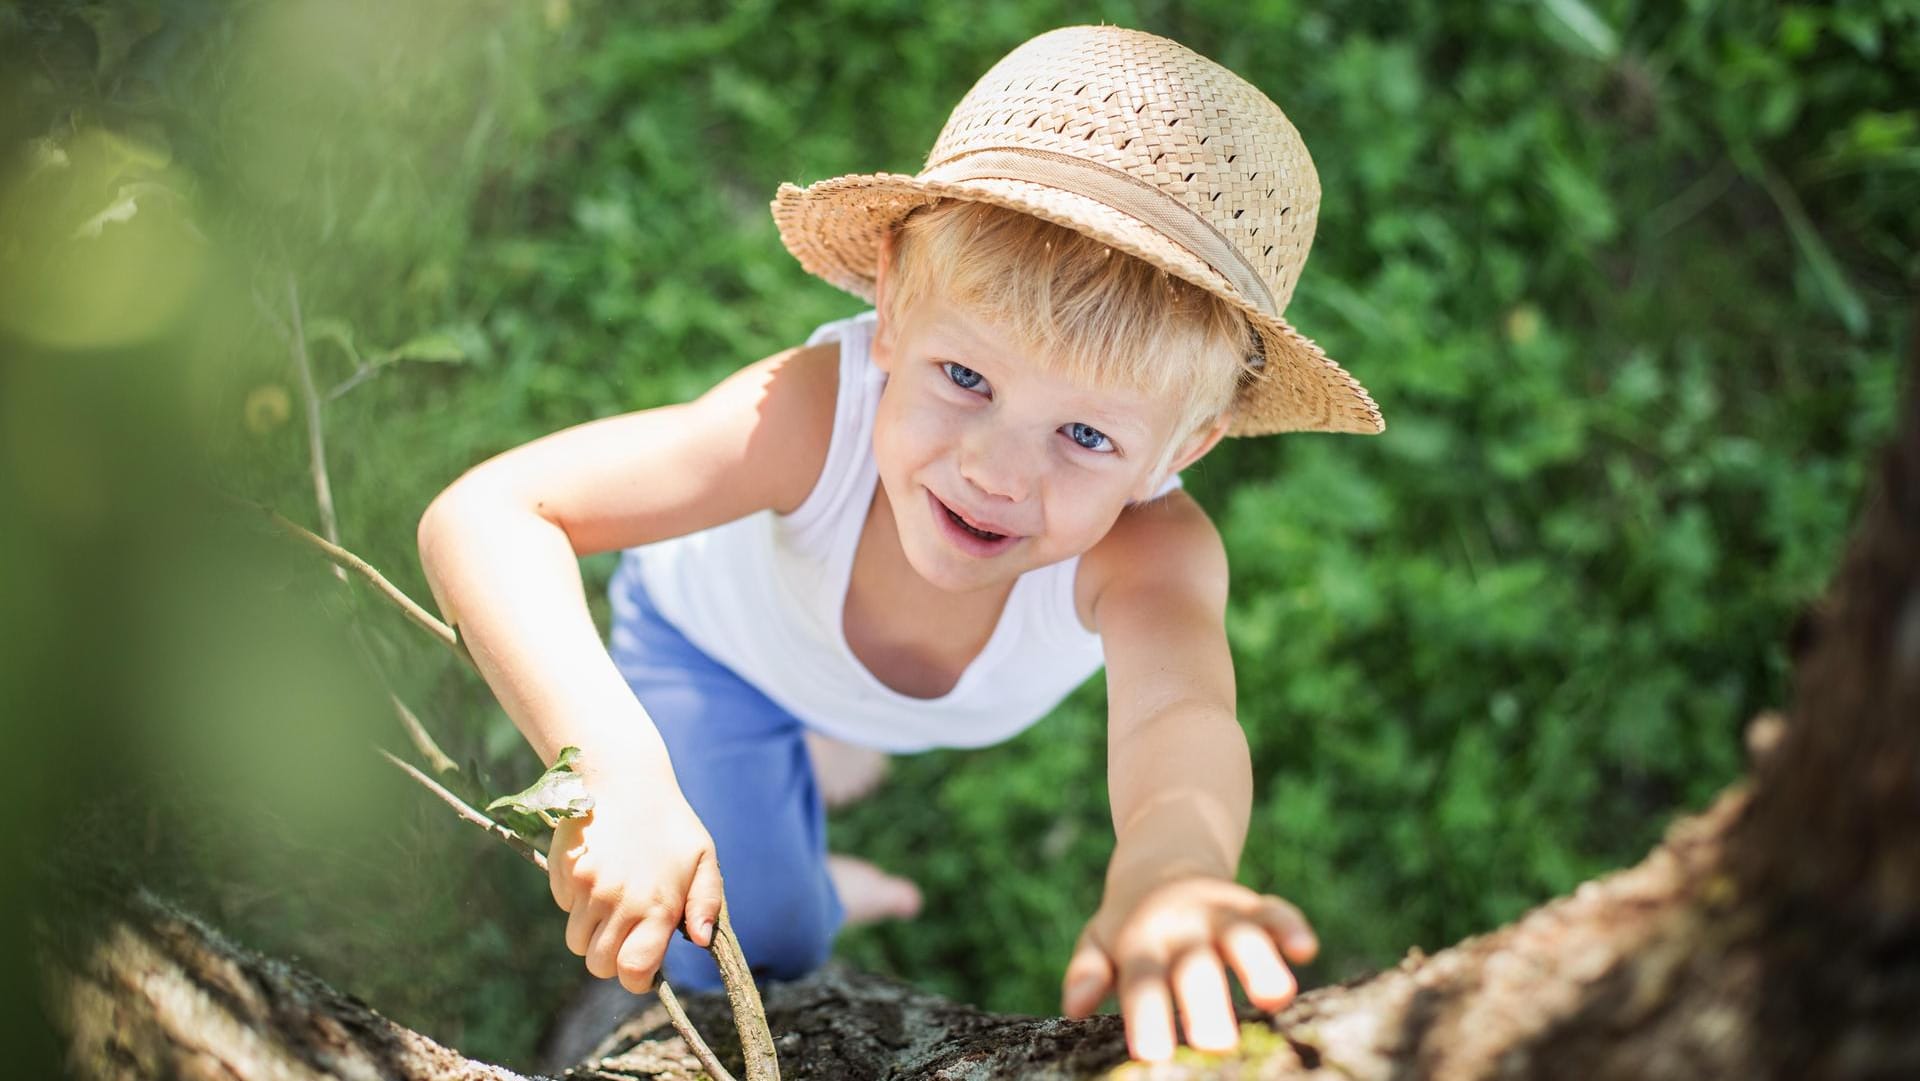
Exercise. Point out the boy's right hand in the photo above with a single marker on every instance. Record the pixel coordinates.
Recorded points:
(629, 873)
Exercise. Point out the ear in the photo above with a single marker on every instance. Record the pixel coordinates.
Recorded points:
(1192, 450)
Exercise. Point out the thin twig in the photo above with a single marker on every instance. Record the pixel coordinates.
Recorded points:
(709, 1061)
(316, 443)
(441, 762)
(272, 317)
(359, 376)
(514, 841)
(749, 1015)
(423, 742)
(681, 1022)
(323, 495)
(422, 618)
(1697, 196)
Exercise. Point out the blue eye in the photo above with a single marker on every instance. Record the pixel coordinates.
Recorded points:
(963, 377)
(1088, 437)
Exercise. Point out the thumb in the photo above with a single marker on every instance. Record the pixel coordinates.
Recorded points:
(561, 853)
(704, 898)
(1089, 978)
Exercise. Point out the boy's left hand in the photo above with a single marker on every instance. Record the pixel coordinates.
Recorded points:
(1171, 944)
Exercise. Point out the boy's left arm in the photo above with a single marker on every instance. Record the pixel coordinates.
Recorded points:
(1172, 918)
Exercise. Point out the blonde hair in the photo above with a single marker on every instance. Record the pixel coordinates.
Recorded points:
(1092, 313)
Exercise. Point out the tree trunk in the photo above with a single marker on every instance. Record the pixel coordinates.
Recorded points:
(1777, 934)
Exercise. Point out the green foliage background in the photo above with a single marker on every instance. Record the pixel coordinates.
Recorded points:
(1628, 280)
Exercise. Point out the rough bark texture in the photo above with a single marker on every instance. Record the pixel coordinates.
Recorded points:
(157, 994)
(1776, 935)
(1630, 976)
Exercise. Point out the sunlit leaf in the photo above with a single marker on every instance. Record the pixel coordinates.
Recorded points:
(1583, 27)
(558, 793)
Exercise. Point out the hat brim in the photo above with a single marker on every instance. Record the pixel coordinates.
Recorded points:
(834, 228)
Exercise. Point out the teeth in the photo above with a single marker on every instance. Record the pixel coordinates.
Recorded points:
(962, 523)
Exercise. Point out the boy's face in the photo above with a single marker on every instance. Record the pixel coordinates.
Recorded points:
(995, 465)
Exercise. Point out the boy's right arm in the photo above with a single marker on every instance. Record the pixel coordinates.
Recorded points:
(500, 547)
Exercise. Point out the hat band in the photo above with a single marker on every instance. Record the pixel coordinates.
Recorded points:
(1122, 191)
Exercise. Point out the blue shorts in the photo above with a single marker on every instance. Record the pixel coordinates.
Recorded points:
(744, 767)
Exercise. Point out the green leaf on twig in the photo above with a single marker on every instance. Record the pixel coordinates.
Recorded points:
(439, 346)
(559, 793)
(326, 328)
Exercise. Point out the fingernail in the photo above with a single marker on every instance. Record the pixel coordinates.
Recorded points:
(706, 930)
(1154, 1050)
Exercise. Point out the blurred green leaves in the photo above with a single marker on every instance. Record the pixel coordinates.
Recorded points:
(101, 248)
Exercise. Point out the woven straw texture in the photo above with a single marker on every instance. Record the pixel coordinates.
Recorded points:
(1146, 145)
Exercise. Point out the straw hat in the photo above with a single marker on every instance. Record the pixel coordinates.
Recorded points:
(1145, 145)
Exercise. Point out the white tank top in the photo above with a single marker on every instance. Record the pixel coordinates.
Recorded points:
(765, 595)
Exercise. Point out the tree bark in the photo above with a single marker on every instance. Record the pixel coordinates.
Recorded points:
(1775, 935)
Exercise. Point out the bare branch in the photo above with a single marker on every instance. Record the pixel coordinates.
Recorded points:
(422, 618)
(316, 443)
(678, 1015)
(749, 1017)
(514, 841)
(422, 741)
(359, 376)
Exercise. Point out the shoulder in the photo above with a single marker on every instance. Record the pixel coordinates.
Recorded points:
(1165, 552)
(787, 401)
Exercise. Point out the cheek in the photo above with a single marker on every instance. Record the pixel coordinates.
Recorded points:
(907, 432)
(1085, 511)
(912, 427)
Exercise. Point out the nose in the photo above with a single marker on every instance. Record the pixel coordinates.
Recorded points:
(993, 462)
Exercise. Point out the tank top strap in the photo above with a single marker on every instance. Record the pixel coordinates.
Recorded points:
(811, 528)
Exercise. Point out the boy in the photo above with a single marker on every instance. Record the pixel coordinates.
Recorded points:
(925, 527)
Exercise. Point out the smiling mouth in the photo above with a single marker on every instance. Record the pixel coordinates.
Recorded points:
(962, 523)
(967, 527)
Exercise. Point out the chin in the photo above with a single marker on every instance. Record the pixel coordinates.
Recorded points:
(949, 577)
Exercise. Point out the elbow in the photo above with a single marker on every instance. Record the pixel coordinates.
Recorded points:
(434, 520)
(453, 511)
(445, 536)
(478, 506)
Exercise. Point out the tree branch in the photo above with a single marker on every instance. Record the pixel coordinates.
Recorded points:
(316, 442)
(419, 616)
(423, 742)
(756, 1039)
(684, 1026)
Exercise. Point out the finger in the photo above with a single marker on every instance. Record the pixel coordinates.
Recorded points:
(1250, 949)
(1088, 978)
(640, 956)
(1206, 1007)
(1297, 939)
(585, 919)
(563, 854)
(557, 883)
(704, 898)
(604, 948)
(1147, 1009)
